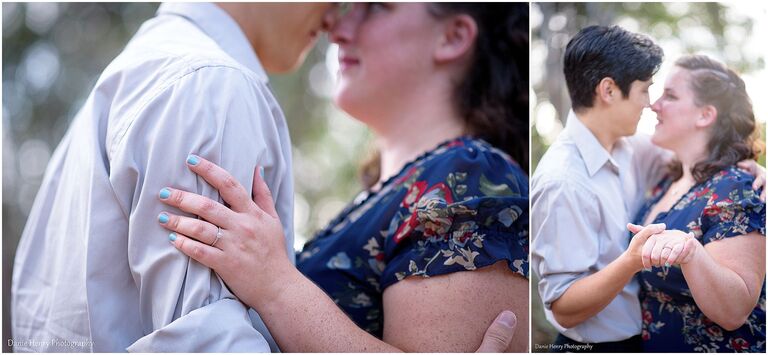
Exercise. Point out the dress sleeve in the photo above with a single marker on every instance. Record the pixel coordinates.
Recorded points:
(464, 210)
(184, 306)
(732, 208)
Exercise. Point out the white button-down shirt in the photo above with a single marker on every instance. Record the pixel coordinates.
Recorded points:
(94, 270)
(582, 197)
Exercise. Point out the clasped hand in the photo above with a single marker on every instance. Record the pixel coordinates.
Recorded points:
(654, 245)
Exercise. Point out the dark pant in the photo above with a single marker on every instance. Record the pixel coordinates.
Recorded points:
(566, 344)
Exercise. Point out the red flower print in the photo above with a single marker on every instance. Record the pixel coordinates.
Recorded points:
(715, 332)
(712, 210)
(406, 228)
(739, 344)
(407, 175)
(414, 193)
(701, 192)
(647, 316)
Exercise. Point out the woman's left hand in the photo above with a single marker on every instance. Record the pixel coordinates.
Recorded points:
(666, 248)
(244, 243)
(754, 169)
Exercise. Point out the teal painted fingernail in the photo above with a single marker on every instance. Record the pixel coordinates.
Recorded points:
(165, 193)
(192, 160)
(261, 172)
(172, 237)
(163, 218)
(666, 264)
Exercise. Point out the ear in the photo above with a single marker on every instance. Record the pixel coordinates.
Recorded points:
(606, 90)
(458, 36)
(708, 116)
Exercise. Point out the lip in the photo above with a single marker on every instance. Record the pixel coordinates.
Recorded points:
(347, 62)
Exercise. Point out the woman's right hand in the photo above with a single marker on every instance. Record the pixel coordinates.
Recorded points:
(665, 248)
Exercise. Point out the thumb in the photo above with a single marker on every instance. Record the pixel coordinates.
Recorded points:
(499, 334)
(649, 230)
(261, 194)
(634, 228)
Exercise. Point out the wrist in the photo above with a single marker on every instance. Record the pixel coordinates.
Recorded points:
(631, 263)
(273, 288)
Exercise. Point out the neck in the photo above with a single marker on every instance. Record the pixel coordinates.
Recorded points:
(596, 123)
(417, 125)
(693, 153)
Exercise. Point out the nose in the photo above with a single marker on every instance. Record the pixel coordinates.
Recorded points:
(344, 26)
(656, 107)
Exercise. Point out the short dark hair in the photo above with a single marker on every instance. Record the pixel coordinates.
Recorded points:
(599, 52)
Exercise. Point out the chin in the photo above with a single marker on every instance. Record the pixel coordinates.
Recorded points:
(659, 141)
(346, 101)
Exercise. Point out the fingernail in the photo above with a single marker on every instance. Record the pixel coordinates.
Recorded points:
(666, 264)
(192, 160)
(172, 237)
(261, 172)
(508, 319)
(163, 218)
(165, 193)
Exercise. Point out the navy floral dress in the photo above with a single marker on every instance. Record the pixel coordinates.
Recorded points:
(461, 206)
(723, 206)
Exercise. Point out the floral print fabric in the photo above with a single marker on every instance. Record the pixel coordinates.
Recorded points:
(722, 207)
(459, 207)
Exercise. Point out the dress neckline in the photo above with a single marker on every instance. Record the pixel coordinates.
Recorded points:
(386, 185)
(666, 182)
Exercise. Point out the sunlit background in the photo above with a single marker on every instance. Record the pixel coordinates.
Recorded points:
(52, 55)
(733, 33)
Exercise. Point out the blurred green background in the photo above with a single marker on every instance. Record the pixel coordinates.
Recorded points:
(54, 52)
(732, 33)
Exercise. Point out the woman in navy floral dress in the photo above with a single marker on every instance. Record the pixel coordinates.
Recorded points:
(437, 246)
(714, 299)
(459, 207)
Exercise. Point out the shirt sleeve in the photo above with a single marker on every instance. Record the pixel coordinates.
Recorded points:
(732, 209)
(220, 114)
(464, 210)
(565, 222)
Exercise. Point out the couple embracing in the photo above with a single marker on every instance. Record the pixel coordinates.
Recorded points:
(182, 141)
(652, 244)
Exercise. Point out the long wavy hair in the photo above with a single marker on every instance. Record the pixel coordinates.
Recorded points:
(734, 135)
(493, 95)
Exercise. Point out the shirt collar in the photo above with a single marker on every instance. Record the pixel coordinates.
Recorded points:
(222, 28)
(595, 156)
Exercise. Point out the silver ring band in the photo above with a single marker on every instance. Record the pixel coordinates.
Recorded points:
(218, 236)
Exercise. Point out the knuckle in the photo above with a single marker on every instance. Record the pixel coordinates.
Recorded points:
(208, 205)
(177, 197)
(199, 229)
(229, 182)
(198, 252)
(174, 222)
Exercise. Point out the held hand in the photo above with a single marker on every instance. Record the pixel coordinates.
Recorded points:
(244, 244)
(642, 235)
(754, 169)
(666, 248)
(499, 334)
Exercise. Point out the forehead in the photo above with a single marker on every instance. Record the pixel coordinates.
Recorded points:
(677, 78)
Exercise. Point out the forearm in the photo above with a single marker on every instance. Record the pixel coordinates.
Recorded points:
(302, 318)
(588, 296)
(721, 294)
